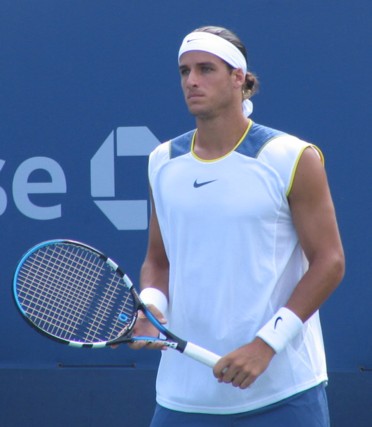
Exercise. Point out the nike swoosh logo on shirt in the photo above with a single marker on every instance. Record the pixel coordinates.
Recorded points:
(200, 184)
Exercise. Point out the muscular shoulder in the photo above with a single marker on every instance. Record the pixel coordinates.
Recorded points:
(309, 177)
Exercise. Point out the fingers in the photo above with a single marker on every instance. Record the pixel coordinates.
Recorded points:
(144, 328)
(155, 312)
(239, 378)
(243, 366)
(148, 345)
(137, 345)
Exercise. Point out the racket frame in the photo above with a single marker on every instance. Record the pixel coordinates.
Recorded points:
(172, 341)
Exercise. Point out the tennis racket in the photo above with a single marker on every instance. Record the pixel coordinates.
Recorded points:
(76, 295)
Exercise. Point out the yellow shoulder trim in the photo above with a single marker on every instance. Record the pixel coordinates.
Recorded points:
(321, 157)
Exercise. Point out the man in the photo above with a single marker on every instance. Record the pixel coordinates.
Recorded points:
(243, 250)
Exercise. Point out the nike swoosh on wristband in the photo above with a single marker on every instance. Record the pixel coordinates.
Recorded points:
(200, 184)
(277, 320)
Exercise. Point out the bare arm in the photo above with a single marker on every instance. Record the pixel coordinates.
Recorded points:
(155, 268)
(315, 221)
(154, 274)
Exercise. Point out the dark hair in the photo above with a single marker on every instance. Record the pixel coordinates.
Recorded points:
(251, 81)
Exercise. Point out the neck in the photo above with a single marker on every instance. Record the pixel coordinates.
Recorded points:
(218, 136)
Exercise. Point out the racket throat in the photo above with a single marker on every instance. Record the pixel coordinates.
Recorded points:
(175, 342)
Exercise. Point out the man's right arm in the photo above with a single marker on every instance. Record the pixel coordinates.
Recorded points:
(155, 268)
(155, 275)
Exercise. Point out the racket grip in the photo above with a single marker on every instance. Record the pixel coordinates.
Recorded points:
(201, 354)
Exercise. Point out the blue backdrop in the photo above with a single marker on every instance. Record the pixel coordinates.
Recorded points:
(88, 88)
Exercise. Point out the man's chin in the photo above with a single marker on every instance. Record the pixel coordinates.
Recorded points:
(200, 113)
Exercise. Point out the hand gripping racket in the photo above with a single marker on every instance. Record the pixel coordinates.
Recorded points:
(75, 294)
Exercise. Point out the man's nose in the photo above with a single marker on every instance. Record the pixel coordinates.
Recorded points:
(192, 79)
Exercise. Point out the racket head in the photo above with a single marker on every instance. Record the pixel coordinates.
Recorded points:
(74, 294)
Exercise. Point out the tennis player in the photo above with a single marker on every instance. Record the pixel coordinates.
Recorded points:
(243, 250)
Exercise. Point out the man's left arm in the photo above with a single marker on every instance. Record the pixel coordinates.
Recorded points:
(315, 221)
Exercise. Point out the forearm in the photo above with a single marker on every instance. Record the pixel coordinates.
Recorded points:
(155, 276)
(312, 290)
(316, 286)
(155, 268)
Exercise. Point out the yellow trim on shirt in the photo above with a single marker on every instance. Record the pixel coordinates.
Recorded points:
(225, 155)
(294, 170)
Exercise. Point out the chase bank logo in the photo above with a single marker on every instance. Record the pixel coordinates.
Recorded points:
(132, 142)
(39, 184)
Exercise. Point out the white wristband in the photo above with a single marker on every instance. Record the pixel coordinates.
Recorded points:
(155, 297)
(280, 329)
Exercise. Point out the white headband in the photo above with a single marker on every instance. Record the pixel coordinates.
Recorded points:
(216, 45)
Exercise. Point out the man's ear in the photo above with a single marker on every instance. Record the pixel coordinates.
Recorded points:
(239, 77)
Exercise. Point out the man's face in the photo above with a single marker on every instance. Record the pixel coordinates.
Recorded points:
(208, 85)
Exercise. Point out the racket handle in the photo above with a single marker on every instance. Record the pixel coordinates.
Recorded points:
(201, 354)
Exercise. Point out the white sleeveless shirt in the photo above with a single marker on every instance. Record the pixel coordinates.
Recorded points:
(234, 261)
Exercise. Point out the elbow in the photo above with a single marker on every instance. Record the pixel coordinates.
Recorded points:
(330, 268)
(337, 267)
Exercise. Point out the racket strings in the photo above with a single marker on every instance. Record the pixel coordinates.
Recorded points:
(110, 319)
(49, 297)
(73, 293)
